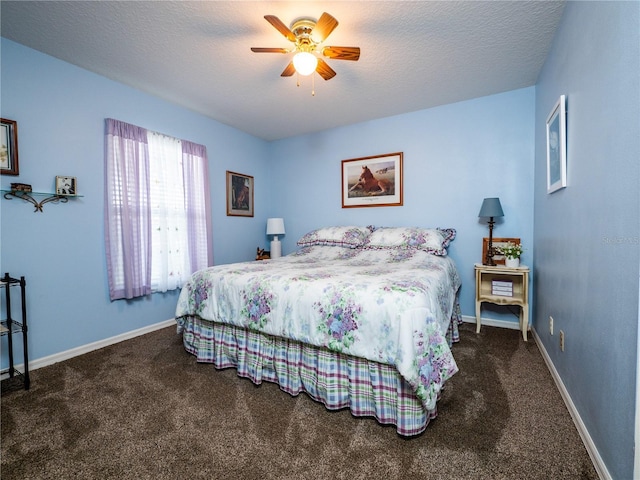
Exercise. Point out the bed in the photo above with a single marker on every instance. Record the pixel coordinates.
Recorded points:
(357, 318)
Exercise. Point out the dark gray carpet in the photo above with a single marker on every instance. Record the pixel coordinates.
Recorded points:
(144, 409)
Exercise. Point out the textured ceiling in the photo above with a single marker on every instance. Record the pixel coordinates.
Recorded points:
(414, 55)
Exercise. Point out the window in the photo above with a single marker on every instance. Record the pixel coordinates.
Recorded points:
(157, 210)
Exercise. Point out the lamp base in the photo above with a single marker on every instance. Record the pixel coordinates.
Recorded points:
(489, 259)
(276, 248)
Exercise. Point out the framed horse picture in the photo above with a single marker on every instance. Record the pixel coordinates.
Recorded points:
(239, 194)
(372, 181)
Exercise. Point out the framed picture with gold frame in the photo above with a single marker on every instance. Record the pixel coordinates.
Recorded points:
(497, 242)
(372, 181)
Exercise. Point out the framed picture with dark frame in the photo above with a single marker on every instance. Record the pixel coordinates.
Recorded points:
(497, 242)
(8, 147)
(239, 194)
(66, 185)
(372, 181)
(557, 147)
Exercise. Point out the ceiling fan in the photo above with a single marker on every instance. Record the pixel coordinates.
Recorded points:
(307, 35)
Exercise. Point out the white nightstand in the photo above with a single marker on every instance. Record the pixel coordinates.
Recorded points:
(502, 285)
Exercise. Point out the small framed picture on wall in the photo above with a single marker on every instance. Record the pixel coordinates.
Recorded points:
(239, 194)
(8, 147)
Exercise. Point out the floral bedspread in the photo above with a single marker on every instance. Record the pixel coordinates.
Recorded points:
(390, 306)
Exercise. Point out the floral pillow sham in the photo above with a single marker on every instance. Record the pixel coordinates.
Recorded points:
(432, 240)
(348, 237)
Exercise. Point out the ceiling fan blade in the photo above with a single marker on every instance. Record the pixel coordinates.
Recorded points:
(269, 50)
(281, 27)
(290, 70)
(326, 24)
(324, 70)
(342, 53)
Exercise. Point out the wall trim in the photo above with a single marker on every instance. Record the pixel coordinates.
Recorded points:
(74, 352)
(599, 465)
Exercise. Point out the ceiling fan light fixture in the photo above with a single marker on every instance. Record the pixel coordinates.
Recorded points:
(305, 63)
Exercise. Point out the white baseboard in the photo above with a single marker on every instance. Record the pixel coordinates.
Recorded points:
(74, 352)
(599, 465)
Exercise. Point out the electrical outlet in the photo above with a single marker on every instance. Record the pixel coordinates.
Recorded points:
(550, 324)
(561, 340)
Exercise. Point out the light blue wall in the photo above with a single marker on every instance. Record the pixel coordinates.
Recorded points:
(454, 156)
(587, 235)
(586, 261)
(60, 110)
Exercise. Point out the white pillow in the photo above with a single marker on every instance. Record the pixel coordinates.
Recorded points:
(432, 240)
(349, 237)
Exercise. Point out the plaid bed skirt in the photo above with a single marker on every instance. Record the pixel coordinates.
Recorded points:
(337, 380)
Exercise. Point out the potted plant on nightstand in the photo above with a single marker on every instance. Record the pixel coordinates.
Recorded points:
(512, 252)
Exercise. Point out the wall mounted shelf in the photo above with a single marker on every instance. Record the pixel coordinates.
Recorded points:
(31, 197)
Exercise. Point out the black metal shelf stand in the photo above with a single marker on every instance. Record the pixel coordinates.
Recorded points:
(10, 326)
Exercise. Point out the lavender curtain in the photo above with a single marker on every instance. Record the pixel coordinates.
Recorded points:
(197, 200)
(127, 210)
(128, 218)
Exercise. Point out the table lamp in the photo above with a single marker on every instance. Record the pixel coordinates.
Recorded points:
(490, 208)
(275, 226)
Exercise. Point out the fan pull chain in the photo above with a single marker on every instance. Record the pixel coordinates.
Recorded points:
(313, 83)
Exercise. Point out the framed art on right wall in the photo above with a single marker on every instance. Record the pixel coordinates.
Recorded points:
(557, 146)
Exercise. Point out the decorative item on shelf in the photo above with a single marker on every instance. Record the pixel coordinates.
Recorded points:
(490, 208)
(512, 253)
(66, 186)
(21, 187)
(262, 254)
(275, 226)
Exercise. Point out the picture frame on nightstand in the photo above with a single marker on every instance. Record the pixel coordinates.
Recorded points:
(497, 242)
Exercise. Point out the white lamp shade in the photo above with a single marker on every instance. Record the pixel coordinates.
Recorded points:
(275, 226)
(305, 63)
